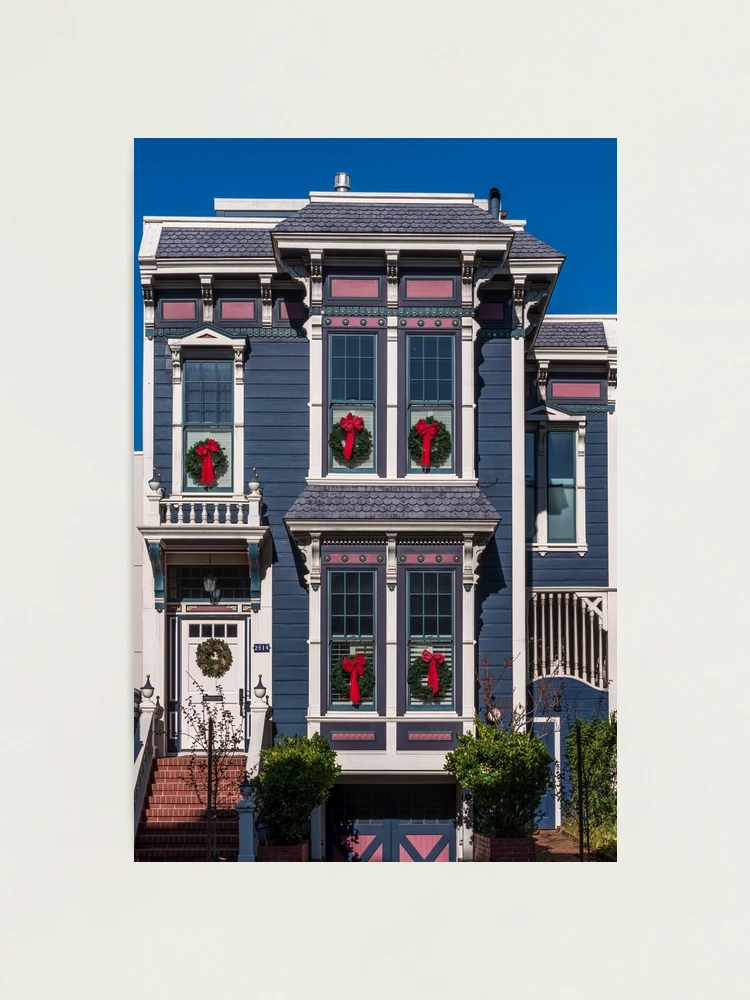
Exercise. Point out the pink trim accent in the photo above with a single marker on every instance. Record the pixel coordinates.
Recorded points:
(352, 736)
(178, 310)
(207, 336)
(291, 310)
(429, 288)
(238, 310)
(403, 854)
(423, 843)
(562, 390)
(429, 736)
(355, 288)
(429, 324)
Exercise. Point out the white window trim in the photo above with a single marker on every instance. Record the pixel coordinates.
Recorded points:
(543, 416)
(206, 338)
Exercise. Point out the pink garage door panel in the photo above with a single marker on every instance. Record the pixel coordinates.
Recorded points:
(424, 845)
(355, 288)
(429, 288)
(576, 390)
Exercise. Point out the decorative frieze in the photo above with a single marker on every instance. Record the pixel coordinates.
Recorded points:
(404, 311)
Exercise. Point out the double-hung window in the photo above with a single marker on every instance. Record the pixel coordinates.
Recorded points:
(208, 402)
(431, 626)
(352, 388)
(431, 389)
(555, 481)
(351, 633)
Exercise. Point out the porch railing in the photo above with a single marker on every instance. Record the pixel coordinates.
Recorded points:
(150, 737)
(204, 512)
(567, 636)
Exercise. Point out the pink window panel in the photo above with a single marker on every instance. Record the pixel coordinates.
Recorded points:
(491, 310)
(291, 310)
(576, 390)
(429, 288)
(238, 310)
(178, 310)
(355, 288)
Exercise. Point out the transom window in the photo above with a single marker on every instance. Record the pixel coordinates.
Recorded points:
(431, 388)
(431, 624)
(352, 388)
(208, 402)
(351, 631)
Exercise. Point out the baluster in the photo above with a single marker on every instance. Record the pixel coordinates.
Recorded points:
(191, 512)
(544, 633)
(180, 514)
(576, 662)
(600, 657)
(566, 665)
(559, 631)
(592, 665)
(532, 653)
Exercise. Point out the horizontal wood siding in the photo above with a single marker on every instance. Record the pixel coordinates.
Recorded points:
(276, 443)
(162, 412)
(493, 598)
(568, 569)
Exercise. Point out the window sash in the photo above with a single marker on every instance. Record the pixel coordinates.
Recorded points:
(431, 389)
(431, 624)
(352, 368)
(351, 625)
(208, 392)
(561, 485)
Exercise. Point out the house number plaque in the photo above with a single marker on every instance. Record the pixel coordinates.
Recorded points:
(261, 647)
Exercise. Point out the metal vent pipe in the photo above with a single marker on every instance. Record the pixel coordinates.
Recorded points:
(342, 182)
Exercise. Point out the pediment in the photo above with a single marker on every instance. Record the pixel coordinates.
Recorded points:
(545, 411)
(207, 335)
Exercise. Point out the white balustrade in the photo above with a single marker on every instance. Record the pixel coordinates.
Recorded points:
(567, 636)
(203, 512)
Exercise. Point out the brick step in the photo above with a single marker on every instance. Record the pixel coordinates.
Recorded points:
(156, 819)
(193, 809)
(196, 840)
(184, 761)
(180, 854)
(181, 798)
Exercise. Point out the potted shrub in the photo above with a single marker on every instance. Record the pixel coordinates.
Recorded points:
(295, 777)
(505, 774)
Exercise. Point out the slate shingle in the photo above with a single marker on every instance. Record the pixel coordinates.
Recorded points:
(525, 245)
(553, 334)
(214, 242)
(388, 217)
(433, 503)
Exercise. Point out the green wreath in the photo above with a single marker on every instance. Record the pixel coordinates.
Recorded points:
(417, 676)
(194, 461)
(340, 680)
(214, 657)
(362, 444)
(440, 448)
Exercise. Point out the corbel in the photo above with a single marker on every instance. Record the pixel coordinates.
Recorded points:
(519, 294)
(532, 298)
(468, 259)
(541, 379)
(308, 544)
(391, 566)
(239, 365)
(176, 366)
(611, 382)
(266, 300)
(468, 569)
(207, 295)
(480, 544)
(391, 270)
(147, 287)
(157, 566)
(316, 275)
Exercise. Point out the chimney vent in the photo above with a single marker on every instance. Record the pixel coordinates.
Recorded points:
(342, 182)
(493, 203)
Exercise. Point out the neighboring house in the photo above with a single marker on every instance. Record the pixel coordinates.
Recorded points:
(265, 326)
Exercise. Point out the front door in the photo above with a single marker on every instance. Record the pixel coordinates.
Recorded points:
(392, 823)
(230, 685)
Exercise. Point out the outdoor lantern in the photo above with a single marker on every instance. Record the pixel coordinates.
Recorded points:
(209, 580)
(260, 688)
(245, 787)
(214, 596)
(154, 483)
(148, 688)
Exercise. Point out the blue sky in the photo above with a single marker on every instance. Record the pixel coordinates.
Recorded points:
(564, 188)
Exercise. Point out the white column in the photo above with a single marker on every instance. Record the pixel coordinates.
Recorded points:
(261, 625)
(518, 505)
(246, 811)
(612, 557)
(466, 399)
(314, 642)
(148, 423)
(238, 484)
(392, 398)
(316, 396)
(469, 641)
(176, 421)
(391, 640)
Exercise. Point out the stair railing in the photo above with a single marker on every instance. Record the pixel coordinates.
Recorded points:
(151, 736)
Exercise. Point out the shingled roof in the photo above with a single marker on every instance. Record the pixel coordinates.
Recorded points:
(388, 217)
(525, 245)
(214, 241)
(429, 503)
(553, 334)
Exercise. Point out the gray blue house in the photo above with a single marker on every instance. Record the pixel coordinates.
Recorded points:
(379, 472)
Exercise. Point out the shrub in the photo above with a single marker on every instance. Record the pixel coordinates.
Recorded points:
(505, 773)
(296, 775)
(599, 772)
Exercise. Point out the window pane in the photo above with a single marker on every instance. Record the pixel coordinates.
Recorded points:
(561, 458)
(561, 521)
(231, 631)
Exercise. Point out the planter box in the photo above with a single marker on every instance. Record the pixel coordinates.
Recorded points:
(294, 852)
(504, 848)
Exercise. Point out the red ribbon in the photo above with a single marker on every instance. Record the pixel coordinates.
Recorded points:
(427, 432)
(355, 668)
(433, 659)
(208, 477)
(350, 424)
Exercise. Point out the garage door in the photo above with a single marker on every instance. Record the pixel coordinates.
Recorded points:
(406, 823)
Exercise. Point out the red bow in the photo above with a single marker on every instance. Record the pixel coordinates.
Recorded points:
(350, 424)
(427, 432)
(208, 478)
(355, 668)
(433, 659)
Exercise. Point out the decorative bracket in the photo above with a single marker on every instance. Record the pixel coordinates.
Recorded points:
(239, 365)
(309, 547)
(541, 379)
(148, 299)
(154, 555)
(266, 300)
(316, 274)
(391, 566)
(253, 555)
(176, 366)
(611, 382)
(207, 294)
(391, 268)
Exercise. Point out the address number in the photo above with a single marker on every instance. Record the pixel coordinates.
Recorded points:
(261, 647)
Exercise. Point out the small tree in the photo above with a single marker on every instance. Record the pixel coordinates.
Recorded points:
(296, 776)
(505, 774)
(590, 804)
